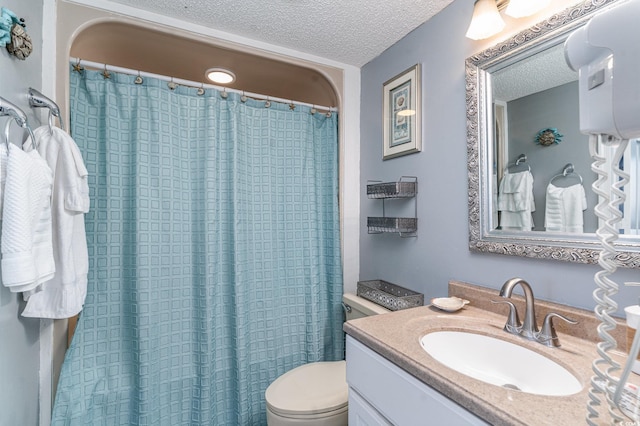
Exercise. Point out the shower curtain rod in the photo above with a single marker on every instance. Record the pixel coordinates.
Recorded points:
(189, 83)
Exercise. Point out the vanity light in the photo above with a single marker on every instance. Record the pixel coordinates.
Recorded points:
(486, 20)
(220, 75)
(406, 112)
(522, 8)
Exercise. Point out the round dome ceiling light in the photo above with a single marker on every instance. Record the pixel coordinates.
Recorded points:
(220, 75)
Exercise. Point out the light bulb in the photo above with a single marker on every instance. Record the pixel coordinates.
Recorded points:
(486, 20)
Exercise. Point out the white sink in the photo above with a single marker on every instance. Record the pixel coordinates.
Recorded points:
(500, 363)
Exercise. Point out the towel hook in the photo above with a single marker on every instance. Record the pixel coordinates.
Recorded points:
(568, 169)
(15, 113)
(7, 131)
(38, 100)
(7, 127)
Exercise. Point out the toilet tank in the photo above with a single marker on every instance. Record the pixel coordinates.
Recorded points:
(357, 307)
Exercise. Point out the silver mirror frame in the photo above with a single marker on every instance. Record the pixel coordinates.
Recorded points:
(565, 247)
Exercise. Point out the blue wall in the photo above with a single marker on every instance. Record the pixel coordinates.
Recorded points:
(440, 252)
(19, 337)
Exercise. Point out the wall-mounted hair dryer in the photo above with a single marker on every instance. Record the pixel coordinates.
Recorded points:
(606, 54)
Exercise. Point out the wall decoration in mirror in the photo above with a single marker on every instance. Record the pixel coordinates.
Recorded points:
(515, 90)
(402, 114)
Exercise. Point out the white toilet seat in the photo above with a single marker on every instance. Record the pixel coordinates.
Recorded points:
(310, 391)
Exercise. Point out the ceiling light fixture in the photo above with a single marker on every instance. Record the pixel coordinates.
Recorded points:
(486, 20)
(220, 75)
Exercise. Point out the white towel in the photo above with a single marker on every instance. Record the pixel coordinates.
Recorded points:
(64, 295)
(516, 201)
(564, 207)
(27, 253)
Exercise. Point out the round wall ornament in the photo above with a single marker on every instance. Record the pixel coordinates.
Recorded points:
(549, 136)
(13, 35)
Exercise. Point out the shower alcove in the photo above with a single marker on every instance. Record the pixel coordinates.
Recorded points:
(138, 43)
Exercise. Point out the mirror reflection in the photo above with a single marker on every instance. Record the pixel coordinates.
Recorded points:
(542, 164)
(530, 177)
(542, 167)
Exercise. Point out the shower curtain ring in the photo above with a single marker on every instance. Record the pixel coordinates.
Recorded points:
(201, 90)
(292, 106)
(224, 94)
(77, 67)
(267, 104)
(138, 79)
(313, 110)
(172, 85)
(106, 74)
(244, 98)
(328, 114)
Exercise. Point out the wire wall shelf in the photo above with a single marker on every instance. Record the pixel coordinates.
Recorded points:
(400, 189)
(405, 187)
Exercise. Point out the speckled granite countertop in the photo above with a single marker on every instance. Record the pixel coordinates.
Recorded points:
(396, 336)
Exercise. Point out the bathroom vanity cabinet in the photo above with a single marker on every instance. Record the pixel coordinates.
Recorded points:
(380, 393)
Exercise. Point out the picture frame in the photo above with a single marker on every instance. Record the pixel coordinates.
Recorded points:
(402, 114)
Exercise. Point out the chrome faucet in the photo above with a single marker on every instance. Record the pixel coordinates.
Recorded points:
(529, 328)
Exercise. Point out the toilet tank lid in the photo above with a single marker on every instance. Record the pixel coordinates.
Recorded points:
(314, 388)
(363, 305)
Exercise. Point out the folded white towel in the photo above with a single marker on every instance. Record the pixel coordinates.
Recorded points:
(564, 207)
(27, 253)
(516, 192)
(516, 201)
(63, 296)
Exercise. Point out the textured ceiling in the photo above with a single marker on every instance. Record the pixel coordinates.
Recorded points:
(536, 73)
(348, 31)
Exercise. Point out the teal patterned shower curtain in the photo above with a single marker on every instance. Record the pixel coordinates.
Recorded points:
(214, 253)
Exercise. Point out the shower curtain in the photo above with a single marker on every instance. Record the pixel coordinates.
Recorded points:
(214, 253)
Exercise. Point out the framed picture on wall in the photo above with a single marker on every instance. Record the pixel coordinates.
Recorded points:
(401, 114)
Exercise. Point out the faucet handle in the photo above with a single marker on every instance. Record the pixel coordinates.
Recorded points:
(513, 325)
(547, 335)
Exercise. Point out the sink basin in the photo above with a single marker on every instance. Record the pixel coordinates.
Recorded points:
(500, 363)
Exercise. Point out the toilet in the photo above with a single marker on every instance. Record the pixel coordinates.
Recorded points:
(316, 393)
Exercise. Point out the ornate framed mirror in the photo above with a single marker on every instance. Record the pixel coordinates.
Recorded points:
(522, 112)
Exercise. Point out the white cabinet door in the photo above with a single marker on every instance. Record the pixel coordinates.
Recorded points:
(397, 396)
(363, 414)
